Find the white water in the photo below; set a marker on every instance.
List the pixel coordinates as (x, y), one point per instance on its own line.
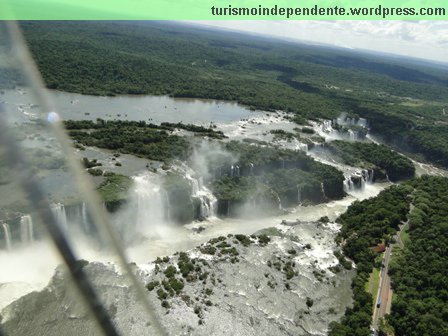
(26, 229)
(7, 235)
(148, 202)
(326, 130)
(208, 201)
(58, 210)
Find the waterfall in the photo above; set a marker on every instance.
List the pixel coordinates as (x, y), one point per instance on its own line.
(251, 168)
(327, 127)
(348, 184)
(58, 210)
(232, 171)
(168, 206)
(299, 195)
(322, 189)
(7, 234)
(84, 219)
(208, 202)
(362, 122)
(237, 171)
(370, 176)
(352, 135)
(26, 229)
(303, 147)
(149, 202)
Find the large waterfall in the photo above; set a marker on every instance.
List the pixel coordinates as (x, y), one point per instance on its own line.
(148, 204)
(208, 202)
(343, 128)
(358, 180)
(26, 229)
(58, 210)
(7, 235)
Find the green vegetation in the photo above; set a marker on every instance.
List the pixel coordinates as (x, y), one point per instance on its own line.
(95, 171)
(380, 158)
(364, 225)
(267, 175)
(109, 58)
(136, 137)
(129, 137)
(418, 272)
(90, 163)
(114, 190)
(373, 283)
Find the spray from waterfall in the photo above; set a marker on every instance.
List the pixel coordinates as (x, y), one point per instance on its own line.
(84, 219)
(7, 235)
(26, 229)
(147, 204)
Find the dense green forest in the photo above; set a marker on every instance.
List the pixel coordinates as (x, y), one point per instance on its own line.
(137, 137)
(403, 99)
(368, 155)
(419, 272)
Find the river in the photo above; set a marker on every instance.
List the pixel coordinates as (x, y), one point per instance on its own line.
(30, 266)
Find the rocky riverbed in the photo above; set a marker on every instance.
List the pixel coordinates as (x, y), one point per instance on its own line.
(279, 281)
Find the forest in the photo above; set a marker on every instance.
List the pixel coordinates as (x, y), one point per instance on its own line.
(369, 155)
(418, 272)
(403, 99)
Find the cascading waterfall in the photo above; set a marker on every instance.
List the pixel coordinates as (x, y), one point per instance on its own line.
(149, 202)
(280, 206)
(208, 201)
(358, 180)
(327, 126)
(363, 183)
(344, 120)
(251, 168)
(370, 176)
(348, 184)
(7, 234)
(351, 128)
(26, 229)
(58, 210)
(303, 147)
